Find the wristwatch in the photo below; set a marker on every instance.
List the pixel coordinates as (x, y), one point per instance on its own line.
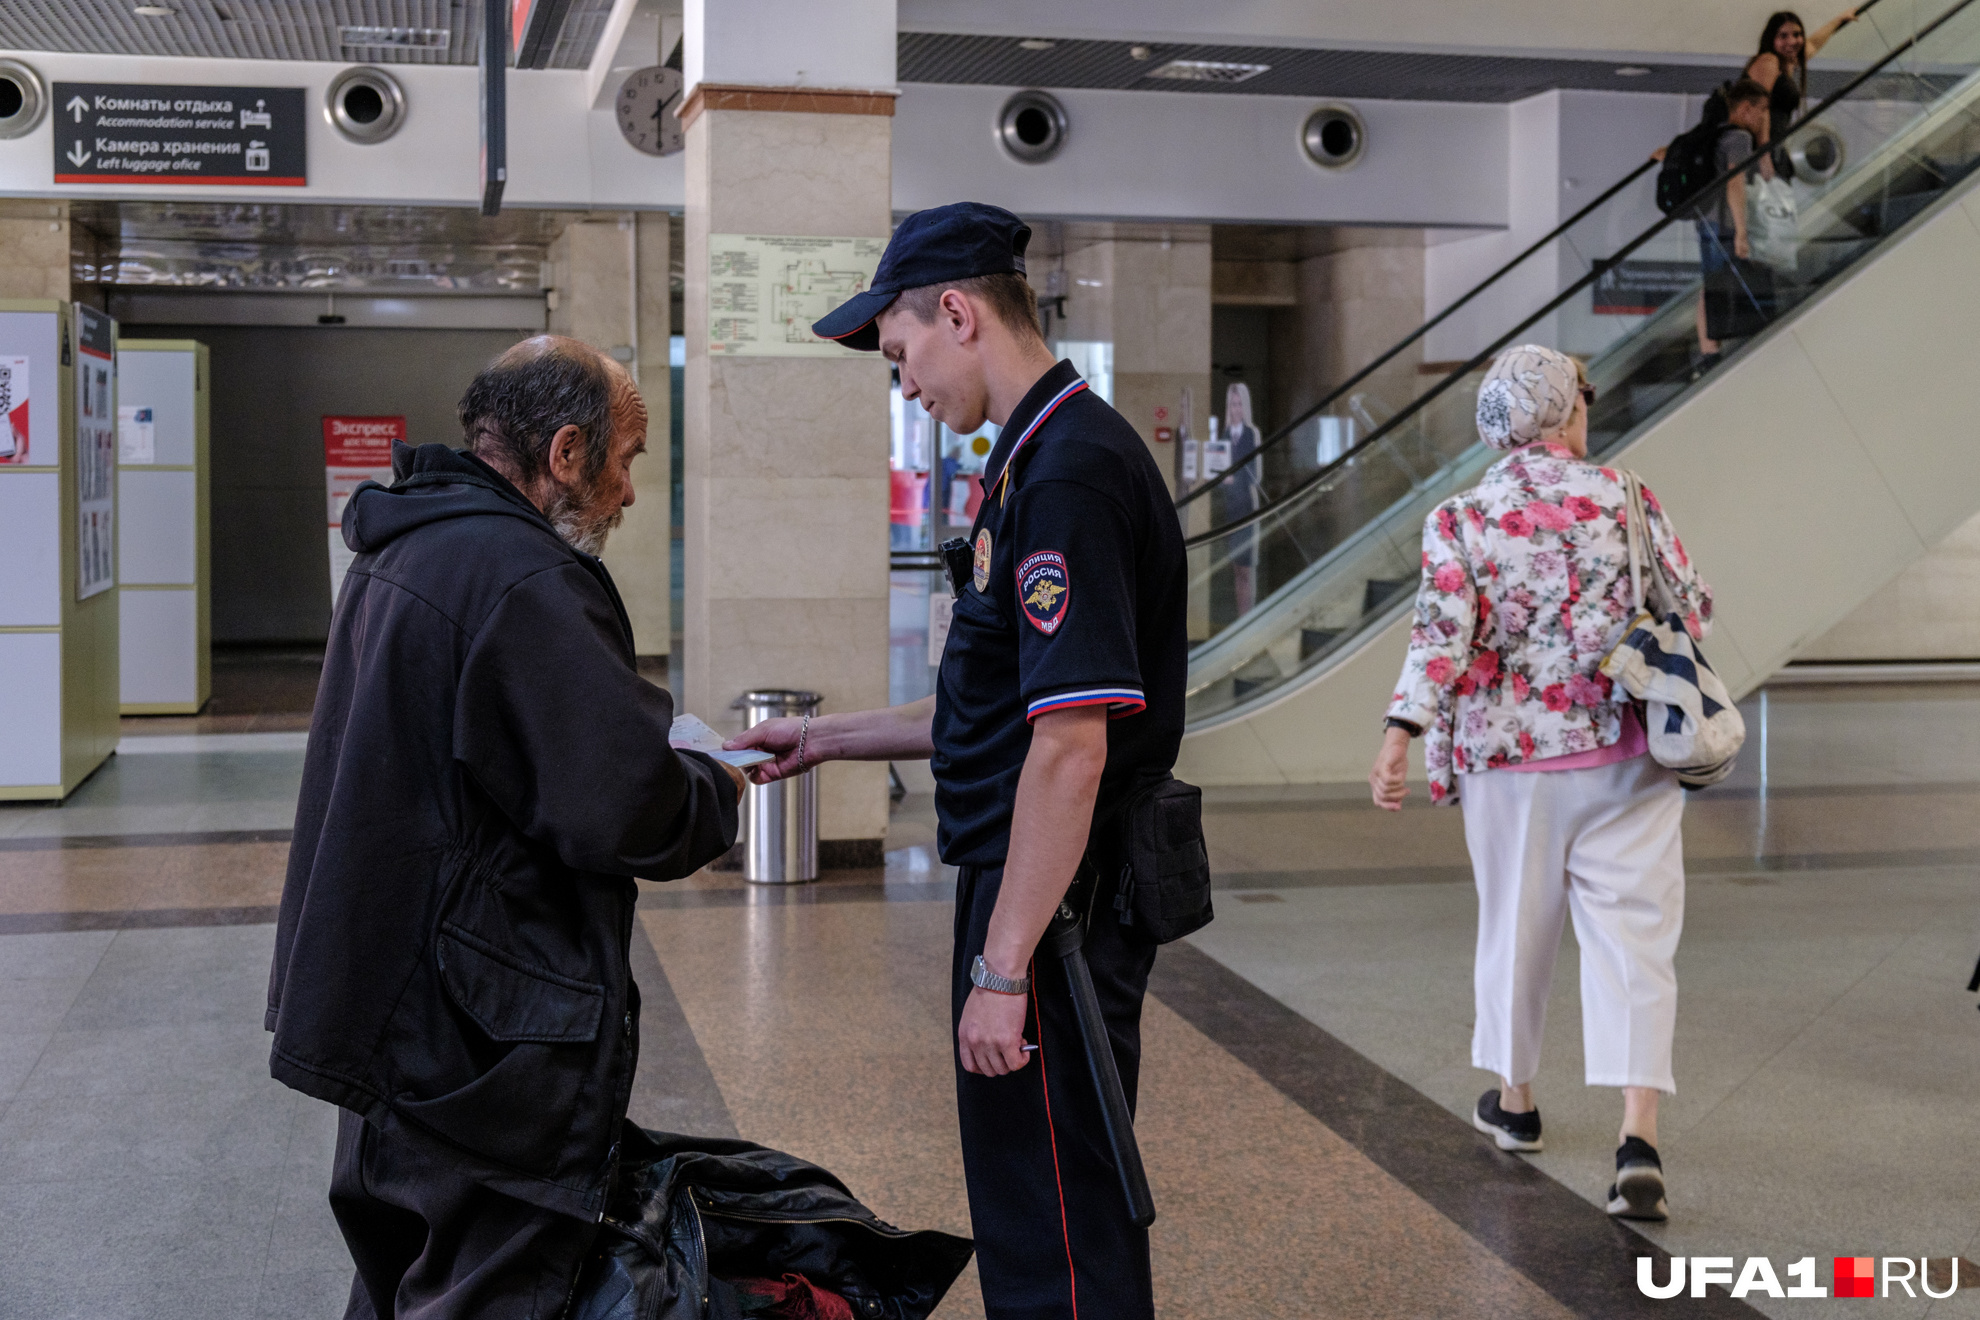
(983, 978)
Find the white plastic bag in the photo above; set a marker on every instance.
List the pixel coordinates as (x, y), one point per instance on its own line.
(1773, 233)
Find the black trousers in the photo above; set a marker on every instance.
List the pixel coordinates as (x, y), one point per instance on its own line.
(430, 1244)
(1052, 1233)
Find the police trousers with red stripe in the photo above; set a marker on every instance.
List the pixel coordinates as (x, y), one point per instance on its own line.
(1053, 1240)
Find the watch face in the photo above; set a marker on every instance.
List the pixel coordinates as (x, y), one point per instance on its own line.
(646, 109)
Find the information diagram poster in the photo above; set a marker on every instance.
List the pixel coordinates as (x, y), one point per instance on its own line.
(14, 378)
(355, 450)
(96, 453)
(765, 292)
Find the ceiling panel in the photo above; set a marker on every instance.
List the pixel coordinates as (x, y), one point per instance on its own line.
(281, 30)
(932, 57)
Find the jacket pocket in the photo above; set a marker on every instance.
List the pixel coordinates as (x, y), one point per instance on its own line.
(511, 1001)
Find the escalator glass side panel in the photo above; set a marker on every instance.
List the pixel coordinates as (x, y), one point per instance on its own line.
(1307, 575)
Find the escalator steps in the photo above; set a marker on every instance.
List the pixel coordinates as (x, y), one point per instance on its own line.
(1378, 590)
(1312, 641)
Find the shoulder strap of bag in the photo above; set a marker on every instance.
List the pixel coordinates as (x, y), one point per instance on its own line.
(1639, 527)
(1632, 529)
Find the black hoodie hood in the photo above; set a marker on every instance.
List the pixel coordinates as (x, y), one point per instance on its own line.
(431, 483)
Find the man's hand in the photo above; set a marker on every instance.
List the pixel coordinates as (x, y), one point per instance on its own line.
(990, 1038)
(1390, 777)
(1741, 248)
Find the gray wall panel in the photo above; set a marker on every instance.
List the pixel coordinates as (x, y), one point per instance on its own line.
(272, 387)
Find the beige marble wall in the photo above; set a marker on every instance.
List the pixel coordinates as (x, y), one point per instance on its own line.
(1145, 290)
(785, 583)
(34, 249)
(1931, 611)
(1354, 304)
(609, 288)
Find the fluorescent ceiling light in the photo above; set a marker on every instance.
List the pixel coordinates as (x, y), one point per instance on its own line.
(1632, 71)
(1217, 71)
(1036, 43)
(154, 11)
(393, 37)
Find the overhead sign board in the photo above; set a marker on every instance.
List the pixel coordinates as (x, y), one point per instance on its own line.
(152, 133)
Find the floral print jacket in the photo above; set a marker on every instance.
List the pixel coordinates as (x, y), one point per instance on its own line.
(1525, 591)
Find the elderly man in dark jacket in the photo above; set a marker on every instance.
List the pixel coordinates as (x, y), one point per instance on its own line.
(486, 774)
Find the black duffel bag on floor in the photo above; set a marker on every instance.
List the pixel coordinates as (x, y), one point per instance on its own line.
(689, 1213)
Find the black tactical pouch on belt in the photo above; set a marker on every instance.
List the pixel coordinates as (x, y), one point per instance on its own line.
(1164, 889)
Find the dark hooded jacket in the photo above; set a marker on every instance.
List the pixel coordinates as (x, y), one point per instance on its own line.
(486, 773)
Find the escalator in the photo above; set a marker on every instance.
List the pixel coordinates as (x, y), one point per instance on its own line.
(1829, 445)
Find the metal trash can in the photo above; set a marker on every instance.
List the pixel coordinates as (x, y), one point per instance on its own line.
(780, 820)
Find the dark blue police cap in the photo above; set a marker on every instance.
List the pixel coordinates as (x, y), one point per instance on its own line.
(945, 243)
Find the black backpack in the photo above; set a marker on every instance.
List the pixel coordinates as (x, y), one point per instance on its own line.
(1691, 161)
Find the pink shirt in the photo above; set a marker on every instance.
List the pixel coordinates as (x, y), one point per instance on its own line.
(1633, 742)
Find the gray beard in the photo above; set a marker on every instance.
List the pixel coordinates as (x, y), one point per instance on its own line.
(581, 528)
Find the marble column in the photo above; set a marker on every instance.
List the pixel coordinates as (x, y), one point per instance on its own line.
(1145, 289)
(788, 118)
(36, 256)
(609, 288)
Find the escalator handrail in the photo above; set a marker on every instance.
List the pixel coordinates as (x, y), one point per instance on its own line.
(1286, 431)
(1423, 400)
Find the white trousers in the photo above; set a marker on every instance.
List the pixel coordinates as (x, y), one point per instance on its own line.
(1606, 845)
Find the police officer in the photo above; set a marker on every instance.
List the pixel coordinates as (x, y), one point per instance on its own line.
(1060, 694)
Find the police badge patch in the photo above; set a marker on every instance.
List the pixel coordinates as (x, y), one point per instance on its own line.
(1044, 590)
(980, 570)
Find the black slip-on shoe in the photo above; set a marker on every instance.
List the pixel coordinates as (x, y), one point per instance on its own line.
(1638, 1192)
(1508, 1131)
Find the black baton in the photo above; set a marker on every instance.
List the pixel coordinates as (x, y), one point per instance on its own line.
(1063, 938)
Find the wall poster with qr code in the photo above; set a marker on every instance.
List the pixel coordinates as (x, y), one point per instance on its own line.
(96, 453)
(14, 376)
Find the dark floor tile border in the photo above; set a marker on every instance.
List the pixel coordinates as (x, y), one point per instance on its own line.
(1333, 877)
(1569, 1248)
(1891, 860)
(1784, 863)
(42, 923)
(674, 1090)
(798, 895)
(61, 842)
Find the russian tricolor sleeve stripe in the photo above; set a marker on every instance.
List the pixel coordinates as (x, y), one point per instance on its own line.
(1119, 701)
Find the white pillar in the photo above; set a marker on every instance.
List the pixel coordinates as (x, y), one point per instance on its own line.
(788, 113)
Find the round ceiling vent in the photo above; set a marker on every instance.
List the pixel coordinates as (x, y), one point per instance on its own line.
(23, 99)
(1032, 126)
(1334, 137)
(365, 104)
(1818, 154)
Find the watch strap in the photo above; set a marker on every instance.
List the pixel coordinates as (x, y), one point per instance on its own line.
(983, 978)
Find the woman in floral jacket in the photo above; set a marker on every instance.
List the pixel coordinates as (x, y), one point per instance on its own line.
(1526, 588)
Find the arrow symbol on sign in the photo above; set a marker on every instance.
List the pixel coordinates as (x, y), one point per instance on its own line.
(77, 104)
(77, 154)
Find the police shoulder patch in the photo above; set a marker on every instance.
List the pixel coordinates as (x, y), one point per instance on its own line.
(1044, 590)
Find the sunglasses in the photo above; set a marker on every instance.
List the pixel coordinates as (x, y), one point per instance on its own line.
(1588, 395)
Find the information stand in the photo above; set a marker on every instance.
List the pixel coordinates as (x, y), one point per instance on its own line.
(164, 573)
(58, 603)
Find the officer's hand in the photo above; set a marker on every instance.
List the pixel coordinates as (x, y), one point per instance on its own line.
(990, 1038)
(1390, 777)
(780, 737)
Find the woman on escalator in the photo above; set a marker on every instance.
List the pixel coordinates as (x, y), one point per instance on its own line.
(1526, 588)
(1782, 68)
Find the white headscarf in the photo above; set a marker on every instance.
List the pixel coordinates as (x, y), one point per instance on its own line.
(1529, 393)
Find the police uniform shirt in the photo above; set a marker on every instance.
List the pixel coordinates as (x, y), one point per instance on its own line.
(1077, 598)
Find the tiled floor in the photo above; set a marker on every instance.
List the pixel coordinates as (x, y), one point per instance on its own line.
(1306, 1056)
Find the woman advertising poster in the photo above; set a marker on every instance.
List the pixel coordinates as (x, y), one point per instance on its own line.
(1240, 494)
